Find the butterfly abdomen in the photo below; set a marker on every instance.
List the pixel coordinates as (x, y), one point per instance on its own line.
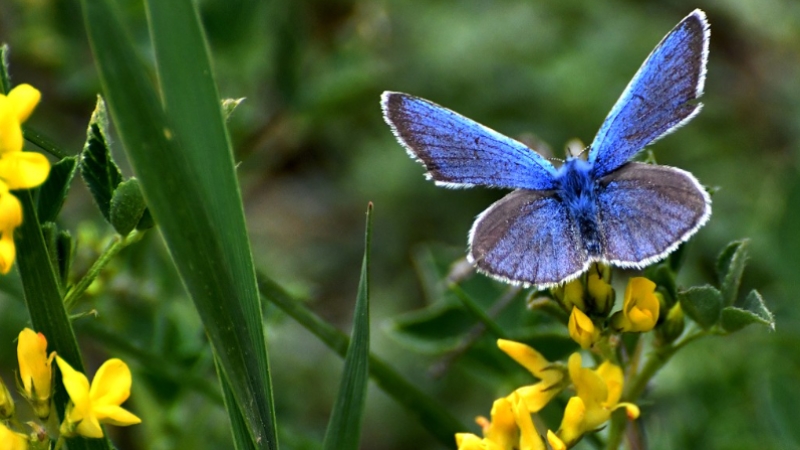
(578, 190)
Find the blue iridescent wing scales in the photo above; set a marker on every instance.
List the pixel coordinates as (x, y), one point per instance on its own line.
(645, 211)
(459, 152)
(660, 98)
(528, 237)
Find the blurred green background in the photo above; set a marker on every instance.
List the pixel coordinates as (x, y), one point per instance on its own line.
(313, 150)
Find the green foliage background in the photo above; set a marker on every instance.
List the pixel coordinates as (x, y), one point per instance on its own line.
(313, 150)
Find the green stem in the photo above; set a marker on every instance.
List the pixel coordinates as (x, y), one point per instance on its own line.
(43, 142)
(80, 287)
(477, 311)
(655, 361)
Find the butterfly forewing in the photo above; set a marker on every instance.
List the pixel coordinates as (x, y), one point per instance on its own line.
(660, 97)
(529, 237)
(459, 152)
(646, 211)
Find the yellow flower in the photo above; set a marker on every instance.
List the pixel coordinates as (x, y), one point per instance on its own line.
(18, 169)
(591, 293)
(10, 440)
(570, 294)
(35, 370)
(511, 428)
(601, 293)
(640, 310)
(598, 393)
(536, 396)
(91, 406)
(582, 329)
(6, 402)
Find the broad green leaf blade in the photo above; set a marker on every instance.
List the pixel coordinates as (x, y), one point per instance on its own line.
(127, 206)
(191, 190)
(703, 304)
(54, 191)
(46, 307)
(730, 267)
(753, 311)
(239, 428)
(344, 427)
(98, 169)
(430, 414)
(190, 98)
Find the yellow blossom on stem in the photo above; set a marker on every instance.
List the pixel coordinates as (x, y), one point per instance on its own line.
(18, 169)
(536, 396)
(99, 403)
(11, 440)
(640, 310)
(598, 393)
(35, 370)
(511, 428)
(582, 329)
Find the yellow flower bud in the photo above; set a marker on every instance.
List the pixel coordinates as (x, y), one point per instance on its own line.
(582, 329)
(570, 295)
(6, 402)
(641, 308)
(35, 370)
(601, 294)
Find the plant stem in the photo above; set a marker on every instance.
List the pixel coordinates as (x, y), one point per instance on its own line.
(80, 287)
(43, 142)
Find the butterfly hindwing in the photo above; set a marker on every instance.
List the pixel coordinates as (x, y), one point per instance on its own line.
(528, 237)
(660, 97)
(459, 152)
(645, 211)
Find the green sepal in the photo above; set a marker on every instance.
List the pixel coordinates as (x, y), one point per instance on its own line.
(730, 267)
(703, 304)
(146, 222)
(54, 190)
(344, 426)
(127, 206)
(98, 169)
(752, 311)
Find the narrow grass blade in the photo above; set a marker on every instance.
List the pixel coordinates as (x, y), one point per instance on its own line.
(344, 427)
(181, 156)
(431, 415)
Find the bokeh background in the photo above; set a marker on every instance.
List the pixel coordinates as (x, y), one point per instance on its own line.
(313, 150)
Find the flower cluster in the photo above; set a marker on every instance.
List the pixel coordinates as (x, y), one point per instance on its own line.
(89, 406)
(18, 169)
(597, 392)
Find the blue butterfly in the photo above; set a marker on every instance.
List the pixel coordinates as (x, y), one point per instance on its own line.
(558, 221)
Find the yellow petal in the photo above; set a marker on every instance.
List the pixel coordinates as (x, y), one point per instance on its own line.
(10, 130)
(77, 386)
(10, 212)
(90, 427)
(10, 440)
(537, 396)
(468, 441)
(582, 329)
(572, 424)
(503, 430)
(8, 251)
(529, 438)
(34, 365)
(527, 357)
(115, 415)
(24, 99)
(614, 378)
(111, 384)
(24, 170)
(555, 442)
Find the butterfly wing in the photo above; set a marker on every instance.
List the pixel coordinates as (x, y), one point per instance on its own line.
(660, 97)
(527, 237)
(646, 211)
(459, 152)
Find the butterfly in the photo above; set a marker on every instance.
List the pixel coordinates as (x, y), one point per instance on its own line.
(558, 221)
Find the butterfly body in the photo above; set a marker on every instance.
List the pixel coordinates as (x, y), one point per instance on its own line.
(558, 221)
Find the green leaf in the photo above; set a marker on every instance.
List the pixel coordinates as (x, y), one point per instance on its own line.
(753, 311)
(98, 169)
(344, 427)
(54, 190)
(430, 414)
(703, 304)
(127, 206)
(46, 307)
(730, 267)
(59, 248)
(182, 158)
(229, 105)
